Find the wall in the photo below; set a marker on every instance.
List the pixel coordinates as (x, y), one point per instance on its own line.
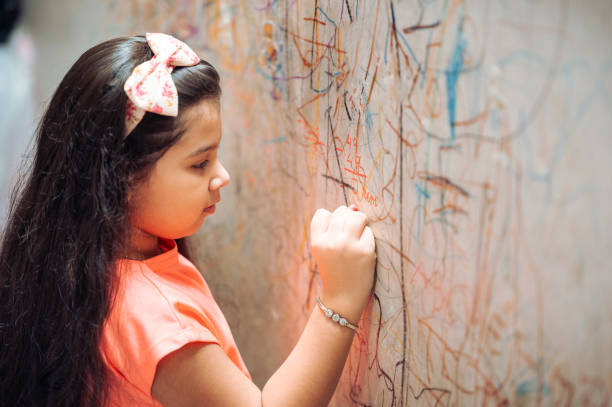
(475, 136)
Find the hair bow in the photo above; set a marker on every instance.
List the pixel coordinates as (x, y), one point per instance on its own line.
(150, 87)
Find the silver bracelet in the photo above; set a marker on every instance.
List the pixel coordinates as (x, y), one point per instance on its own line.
(335, 316)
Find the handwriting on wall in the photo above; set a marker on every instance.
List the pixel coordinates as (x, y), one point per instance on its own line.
(474, 134)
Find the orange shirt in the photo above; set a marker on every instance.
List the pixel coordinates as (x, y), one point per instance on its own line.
(162, 304)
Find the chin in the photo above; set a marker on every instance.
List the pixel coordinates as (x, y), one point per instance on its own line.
(199, 222)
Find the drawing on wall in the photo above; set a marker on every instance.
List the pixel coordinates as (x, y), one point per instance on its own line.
(475, 136)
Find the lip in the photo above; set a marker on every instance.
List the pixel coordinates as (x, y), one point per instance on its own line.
(210, 209)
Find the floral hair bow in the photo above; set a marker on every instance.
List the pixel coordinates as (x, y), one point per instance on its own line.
(150, 87)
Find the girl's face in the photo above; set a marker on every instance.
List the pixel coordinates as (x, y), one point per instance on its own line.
(184, 184)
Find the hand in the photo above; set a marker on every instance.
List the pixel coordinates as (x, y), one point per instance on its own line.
(343, 248)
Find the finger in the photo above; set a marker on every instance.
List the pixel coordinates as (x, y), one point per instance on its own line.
(367, 239)
(355, 222)
(336, 223)
(320, 221)
(340, 208)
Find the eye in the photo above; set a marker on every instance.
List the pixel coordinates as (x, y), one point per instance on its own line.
(201, 165)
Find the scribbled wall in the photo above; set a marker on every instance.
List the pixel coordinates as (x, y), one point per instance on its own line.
(476, 136)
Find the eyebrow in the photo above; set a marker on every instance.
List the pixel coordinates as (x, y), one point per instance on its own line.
(203, 150)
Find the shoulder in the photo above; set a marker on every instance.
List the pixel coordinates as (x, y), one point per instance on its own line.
(171, 297)
(155, 312)
(140, 284)
(138, 289)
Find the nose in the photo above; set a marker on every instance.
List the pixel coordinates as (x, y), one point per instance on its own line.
(221, 179)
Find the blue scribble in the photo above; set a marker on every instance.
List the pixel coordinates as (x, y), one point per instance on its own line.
(530, 386)
(452, 75)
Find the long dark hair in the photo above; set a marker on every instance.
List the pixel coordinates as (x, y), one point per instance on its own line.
(69, 222)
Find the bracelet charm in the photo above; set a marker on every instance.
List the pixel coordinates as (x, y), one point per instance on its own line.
(334, 316)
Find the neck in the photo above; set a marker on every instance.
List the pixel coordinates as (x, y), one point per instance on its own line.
(143, 245)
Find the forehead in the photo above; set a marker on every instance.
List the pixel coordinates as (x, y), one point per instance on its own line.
(201, 124)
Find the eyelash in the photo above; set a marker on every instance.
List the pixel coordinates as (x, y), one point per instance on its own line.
(201, 166)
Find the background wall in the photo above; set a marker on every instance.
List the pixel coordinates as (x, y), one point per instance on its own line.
(475, 136)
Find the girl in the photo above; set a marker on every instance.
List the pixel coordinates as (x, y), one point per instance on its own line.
(99, 302)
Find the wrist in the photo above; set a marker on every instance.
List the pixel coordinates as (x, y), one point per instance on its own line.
(346, 308)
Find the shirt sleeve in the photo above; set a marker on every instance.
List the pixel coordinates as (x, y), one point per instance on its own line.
(147, 322)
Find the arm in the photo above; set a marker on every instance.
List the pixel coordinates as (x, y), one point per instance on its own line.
(309, 375)
(201, 374)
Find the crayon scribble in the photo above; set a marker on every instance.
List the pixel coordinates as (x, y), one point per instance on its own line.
(475, 136)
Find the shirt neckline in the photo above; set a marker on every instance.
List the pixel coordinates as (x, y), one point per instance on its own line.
(169, 256)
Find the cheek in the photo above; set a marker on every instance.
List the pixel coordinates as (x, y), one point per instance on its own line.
(171, 202)
(178, 207)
